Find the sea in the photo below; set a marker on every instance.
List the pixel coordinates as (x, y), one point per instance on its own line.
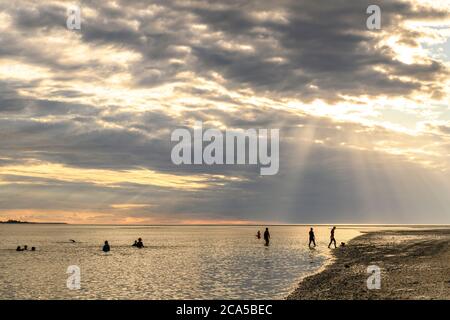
(177, 262)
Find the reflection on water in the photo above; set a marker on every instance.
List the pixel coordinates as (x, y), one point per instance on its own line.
(189, 262)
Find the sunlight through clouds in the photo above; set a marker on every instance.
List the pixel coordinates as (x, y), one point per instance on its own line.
(363, 114)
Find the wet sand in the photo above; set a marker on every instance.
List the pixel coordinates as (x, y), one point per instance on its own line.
(415, 264)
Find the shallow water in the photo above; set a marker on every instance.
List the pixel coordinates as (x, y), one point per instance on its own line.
(178, 262)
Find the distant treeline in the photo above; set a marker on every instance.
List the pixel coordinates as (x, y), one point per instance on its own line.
(26, 222)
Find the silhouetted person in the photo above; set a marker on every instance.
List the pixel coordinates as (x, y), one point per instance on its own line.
(140, 244)
(267, 236)
(33, 249)
(19, 248)
(258, 234)
(25, 248)
(135, 243)
(312, 238)
(106, 247)
(332, 240)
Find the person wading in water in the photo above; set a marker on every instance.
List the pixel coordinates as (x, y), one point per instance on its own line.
(312, 238)
(332, 239)
(267, 237)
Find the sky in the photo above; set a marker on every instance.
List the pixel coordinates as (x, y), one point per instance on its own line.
(86, 115)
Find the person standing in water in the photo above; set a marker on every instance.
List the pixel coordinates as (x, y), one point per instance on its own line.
(106, 247)
(267, 237)
(312, 238)
(332, 239)
(258, 234)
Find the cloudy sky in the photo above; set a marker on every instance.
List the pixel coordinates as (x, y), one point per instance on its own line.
(86, 115)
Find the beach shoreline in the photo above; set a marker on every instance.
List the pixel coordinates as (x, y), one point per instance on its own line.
(414, 264)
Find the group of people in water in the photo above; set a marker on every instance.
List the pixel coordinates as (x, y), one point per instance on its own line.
(25, 248)
(137, 243)
(266, 236)
(312, 240)
(312, 237)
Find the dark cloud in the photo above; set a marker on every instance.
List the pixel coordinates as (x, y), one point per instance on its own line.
(322, 43)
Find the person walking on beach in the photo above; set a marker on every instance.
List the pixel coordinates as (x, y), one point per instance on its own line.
(312, 238)
(332, 239)
(258, 235)
(106, 247)
(267, 237)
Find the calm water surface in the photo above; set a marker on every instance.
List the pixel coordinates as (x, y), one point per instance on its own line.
(178, 262)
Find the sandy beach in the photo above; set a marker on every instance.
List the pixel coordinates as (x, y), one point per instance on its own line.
(415, 264)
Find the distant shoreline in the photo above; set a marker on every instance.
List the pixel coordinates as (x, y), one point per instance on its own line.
(414, 265)
(27, 222)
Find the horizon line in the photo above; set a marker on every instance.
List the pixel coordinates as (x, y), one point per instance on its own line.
(235, 225)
